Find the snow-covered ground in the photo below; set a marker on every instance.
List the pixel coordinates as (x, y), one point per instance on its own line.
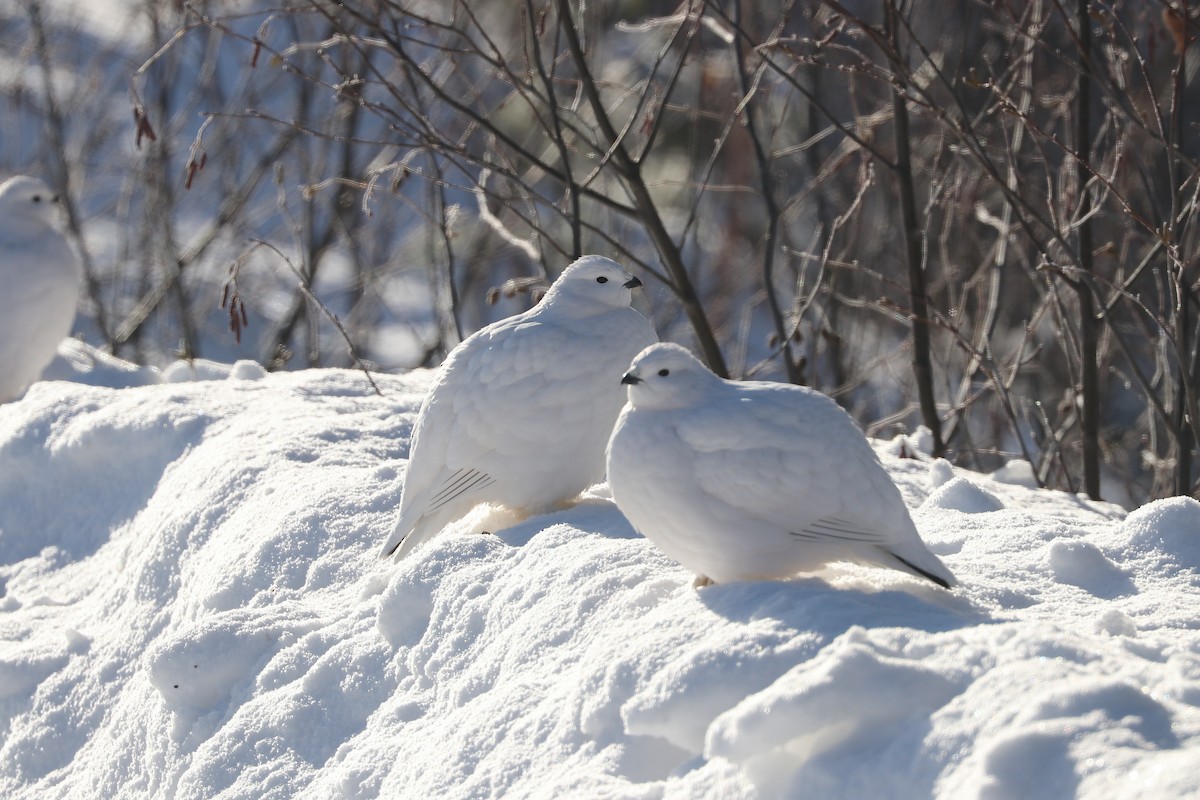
(191, 606)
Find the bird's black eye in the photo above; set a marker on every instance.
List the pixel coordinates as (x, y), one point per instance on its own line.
(602, 279)
(37, 198)
(664, 372)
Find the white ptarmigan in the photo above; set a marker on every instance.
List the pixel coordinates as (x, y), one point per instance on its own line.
(523, 408)
(40, 278)
(752, 480)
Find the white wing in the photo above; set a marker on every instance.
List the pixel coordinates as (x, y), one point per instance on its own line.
(792, 458)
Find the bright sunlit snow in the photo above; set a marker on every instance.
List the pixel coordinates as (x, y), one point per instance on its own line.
(191, 606)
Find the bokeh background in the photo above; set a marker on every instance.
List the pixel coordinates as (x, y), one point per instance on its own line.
(977, 216)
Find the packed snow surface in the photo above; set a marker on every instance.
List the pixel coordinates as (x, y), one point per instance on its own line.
(191, 606)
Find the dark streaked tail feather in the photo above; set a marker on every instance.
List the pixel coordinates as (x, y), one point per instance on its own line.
(921, 572)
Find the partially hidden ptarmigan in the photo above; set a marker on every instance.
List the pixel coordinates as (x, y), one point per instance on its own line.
(40, 278)
(523, 408)
(751, 480)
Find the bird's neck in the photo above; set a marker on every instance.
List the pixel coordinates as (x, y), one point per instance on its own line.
(570, 308)
(25, 229)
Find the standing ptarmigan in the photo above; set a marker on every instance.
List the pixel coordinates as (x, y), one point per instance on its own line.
(751, 480)
(523, 408)
(40, 278)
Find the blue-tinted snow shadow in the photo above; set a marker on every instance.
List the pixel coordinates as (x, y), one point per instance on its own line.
(73, 495)
(813, 604)
(802, 601)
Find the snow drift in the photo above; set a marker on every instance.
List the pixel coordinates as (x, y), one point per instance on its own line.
(191, 606)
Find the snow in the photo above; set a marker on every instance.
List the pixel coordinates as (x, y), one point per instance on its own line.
(1017, 472)
(80, 362)
(191, 607)
(960, 494)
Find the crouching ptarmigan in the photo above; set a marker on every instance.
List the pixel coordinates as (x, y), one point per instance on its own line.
(40, 277)
(751, 480)
(523, 408)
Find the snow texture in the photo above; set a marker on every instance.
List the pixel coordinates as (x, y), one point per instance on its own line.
(191, 606)
(960, 494)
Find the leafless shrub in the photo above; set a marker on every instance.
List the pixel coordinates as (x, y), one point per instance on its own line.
(980, 216)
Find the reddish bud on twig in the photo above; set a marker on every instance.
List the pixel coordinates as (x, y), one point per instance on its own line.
(143, 126)
(232, 302)
(235, 323)
(237, 318)
(194, 165)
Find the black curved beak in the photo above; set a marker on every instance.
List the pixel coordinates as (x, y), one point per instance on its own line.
(632, 283)
(629, 377)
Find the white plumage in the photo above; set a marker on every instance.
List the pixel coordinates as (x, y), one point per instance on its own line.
(40, 278)
(522, 410)
(752, 480)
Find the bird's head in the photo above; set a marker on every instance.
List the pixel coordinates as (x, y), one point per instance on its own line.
(29, 200)
(666, 375)
(594, 281)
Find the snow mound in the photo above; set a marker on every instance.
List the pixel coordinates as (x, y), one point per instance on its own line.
(1017, 472)
(206, 617)
(1169, 529)
(79, 362)
(855, 697)
(202, 369)
(912, 445)
(959, 494)
(199, 667)
(1082, 564)
(941, 472)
